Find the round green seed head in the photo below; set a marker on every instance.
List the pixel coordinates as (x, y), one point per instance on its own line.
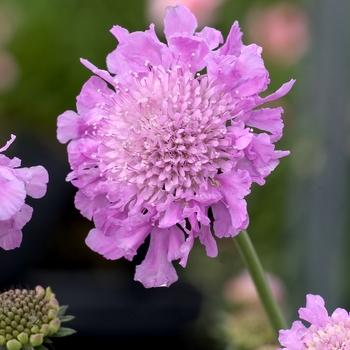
(25, 316)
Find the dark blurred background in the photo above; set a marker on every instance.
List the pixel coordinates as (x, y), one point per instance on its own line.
(298, 219)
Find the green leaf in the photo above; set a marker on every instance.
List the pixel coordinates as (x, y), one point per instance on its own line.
(62, 310)
(27, 347)
(63, 332)
(41, 347)
(47, 340)
(66, 318)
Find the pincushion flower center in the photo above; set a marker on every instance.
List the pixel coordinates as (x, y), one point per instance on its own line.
(331, 337)
(170, 130)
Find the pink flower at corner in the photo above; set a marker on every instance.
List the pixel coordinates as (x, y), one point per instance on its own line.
(168, 141)
(15, 184)
(325, 332)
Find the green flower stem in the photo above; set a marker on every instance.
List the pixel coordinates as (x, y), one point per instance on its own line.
(257, 274)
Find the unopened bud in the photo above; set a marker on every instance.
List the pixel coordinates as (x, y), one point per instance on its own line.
(13, 344)
(23, 338)
(36, 339)
(40, 290)
(49, 293)
(54, 325)
(54, 304)
(45, 329)
(52, 314)
(35, 329)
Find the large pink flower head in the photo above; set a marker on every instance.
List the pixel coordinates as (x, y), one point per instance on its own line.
(324, 333)
(167, 144)
(15, 184)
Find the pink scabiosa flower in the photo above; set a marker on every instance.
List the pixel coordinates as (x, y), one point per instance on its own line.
(168, 141)
(15, 184)
(325, 332)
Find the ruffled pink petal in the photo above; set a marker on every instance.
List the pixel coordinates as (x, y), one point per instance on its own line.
(207, 239)
(176, 240)
(241, 136)
(156, 270)
(22, 217)
(233, 44)
(315, 311)
(8, 143)
(213, 37)
(283, 90)
(120, 33)
(80, 152)
(35, 179)
(139, 50)
(172, 215)
(340, 315)
(179, 20)
(87, 205)
(268, 119)
(234, 187)
(9, 238)
(198, 210)
(67, 126)
(251, 68)
(12, 194)
(99, 72)
(186, 248)
(93, 93)
(10, 230)
(190, 50)
(130, 240)
(292, 338)
(222, 221)
(104, 245)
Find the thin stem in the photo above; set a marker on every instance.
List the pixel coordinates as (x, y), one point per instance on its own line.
(257, 274)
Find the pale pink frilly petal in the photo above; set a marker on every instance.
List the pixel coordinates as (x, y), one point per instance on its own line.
(179, 20)
(315, 311)
(292, 338)
(12, 194)
(156, 270)
(11, 229)
(35, 180)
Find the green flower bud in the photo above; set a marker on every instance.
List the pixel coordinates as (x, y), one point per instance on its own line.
(13, 344)
(36, 339)
(54, 325)
(40, 290)
(23, 338)
(45, 329)
(49, 293)
(2, 340)
(35, 329)
(52, 314)
(54, 304)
